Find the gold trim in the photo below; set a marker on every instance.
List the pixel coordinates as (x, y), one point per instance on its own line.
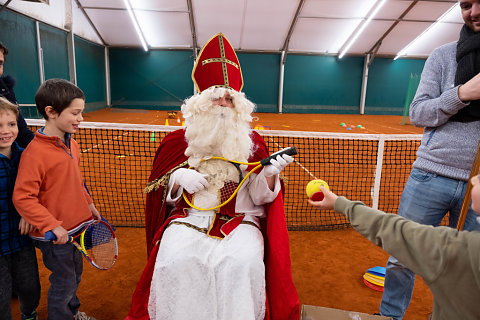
(222, 55)
(163, 180)
(205, 230)
(222, 60)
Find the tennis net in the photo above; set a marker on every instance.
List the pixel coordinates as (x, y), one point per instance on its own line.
(372, 168)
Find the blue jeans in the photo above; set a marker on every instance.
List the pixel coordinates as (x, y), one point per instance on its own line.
(426, 199)
(66, 266)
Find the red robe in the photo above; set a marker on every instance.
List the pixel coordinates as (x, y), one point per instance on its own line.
(282, 299)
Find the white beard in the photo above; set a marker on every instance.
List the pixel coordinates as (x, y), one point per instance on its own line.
(216, 132)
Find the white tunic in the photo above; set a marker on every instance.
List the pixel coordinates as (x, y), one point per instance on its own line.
(199, 277)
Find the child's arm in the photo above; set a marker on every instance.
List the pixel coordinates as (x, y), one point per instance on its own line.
(95, 214)
(423, 249)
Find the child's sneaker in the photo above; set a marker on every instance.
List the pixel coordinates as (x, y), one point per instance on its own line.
(83, 316)
(32, 316)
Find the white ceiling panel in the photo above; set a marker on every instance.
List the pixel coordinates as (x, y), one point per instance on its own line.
(336, 8)
(117, 30)
(260, 31)
(159, 5)
(320, 35)
(214, 16)
(444, 33)
(428, 11)
(393, 9)
(165, 29)
(103, 3)
(402, 35)
(369, 37)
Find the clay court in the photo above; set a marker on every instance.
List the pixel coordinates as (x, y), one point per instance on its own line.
(327, 266)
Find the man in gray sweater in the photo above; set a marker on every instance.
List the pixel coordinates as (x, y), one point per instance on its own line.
(448, 260)
(447, 105)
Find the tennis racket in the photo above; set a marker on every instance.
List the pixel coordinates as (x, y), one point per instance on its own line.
(97, 243)
(228, 192)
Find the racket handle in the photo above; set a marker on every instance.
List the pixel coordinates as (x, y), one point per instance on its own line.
(49, 235)
(290, 151)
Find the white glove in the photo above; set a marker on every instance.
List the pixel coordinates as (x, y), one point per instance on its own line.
(190, 180)
(277, 165)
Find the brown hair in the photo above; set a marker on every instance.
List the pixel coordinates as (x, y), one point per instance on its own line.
(6, 105)
(57, 93)
(3, 49)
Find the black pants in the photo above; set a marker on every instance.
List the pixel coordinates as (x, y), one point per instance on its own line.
(19, 274)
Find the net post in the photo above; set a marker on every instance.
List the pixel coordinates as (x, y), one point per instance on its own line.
(378, 172)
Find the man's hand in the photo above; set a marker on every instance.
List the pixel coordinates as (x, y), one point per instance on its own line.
(328, 201)
(470, 90)
(277, 165)
(190, 180)
(25, 227)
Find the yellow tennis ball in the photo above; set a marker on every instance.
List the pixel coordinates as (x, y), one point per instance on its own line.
(313, 191)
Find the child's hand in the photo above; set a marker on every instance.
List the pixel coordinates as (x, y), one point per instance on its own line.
(328, 201)
(95, 214)
(61, 234)
(25, 227)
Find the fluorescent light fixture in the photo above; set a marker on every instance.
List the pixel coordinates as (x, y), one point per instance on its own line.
(364, 25)
(404, 51)
(135, 24)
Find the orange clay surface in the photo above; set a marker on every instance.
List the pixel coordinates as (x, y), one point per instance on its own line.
(327, 266)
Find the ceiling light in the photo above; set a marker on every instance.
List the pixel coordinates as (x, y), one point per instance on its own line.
(364, 25)
(403, 52)
(135, 24)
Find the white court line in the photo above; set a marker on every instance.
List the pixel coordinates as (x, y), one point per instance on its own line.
(104, 142)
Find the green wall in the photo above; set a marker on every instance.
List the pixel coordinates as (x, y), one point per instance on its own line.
(22, 60)
(260, 76)
(388, 84)
(55, 53)
(90, 66)
(322, 84)
(150, 80)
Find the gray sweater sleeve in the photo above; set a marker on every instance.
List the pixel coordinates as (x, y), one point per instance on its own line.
(436, 99)
(423, 249)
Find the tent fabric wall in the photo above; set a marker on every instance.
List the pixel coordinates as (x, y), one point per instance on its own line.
(388, 84)
(55, 53)
(322, 84)
(150, 80)
(90, 67)
(18, 35)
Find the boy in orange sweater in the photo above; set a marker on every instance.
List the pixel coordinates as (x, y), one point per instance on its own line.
(50, 193)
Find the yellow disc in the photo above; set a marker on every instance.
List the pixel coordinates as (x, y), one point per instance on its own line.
(313, 185)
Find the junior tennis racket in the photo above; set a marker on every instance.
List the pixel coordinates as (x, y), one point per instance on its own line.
(97, 243)
(229, 191)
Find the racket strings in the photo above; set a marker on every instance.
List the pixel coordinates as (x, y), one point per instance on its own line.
(101, 245)
(227, 190)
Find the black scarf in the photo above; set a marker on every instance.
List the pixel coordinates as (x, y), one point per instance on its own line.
(468, 66)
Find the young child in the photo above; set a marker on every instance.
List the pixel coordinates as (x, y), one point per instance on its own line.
(448, 260)
(18, 261)
(50, 193)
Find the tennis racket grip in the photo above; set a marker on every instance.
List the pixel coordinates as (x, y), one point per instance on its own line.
(49, 235)
(290, 151)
